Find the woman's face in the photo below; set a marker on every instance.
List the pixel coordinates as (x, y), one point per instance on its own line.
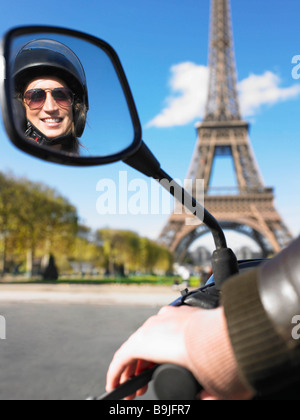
(51, 119)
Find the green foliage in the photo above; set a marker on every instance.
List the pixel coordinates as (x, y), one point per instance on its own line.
(129, 252)
(36, 221)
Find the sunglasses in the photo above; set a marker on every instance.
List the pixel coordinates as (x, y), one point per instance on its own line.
(36, 98)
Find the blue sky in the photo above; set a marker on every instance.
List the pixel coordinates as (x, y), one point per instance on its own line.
(163, 46)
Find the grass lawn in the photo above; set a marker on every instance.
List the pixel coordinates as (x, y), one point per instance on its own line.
(134, 280)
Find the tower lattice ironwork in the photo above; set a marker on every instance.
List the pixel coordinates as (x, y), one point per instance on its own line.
(248, 208)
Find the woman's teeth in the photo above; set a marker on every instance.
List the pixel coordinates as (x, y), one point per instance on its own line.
(52, 120)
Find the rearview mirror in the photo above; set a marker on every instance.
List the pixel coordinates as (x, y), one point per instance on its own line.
(65, 97)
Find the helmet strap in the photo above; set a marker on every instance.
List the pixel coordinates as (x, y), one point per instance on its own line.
(36, 135)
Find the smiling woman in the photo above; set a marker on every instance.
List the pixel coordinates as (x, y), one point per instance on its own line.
(51, 85)
(48, 104)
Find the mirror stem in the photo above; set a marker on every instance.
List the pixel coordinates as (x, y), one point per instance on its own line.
(188, 201)
(144, 161)
(224, 261)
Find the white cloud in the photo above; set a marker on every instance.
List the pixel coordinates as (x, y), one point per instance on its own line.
(259, 90)
(189, 85)
(189, 88)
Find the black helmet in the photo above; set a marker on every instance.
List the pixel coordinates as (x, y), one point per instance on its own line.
(48, 57)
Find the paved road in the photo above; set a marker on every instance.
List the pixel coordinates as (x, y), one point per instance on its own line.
(61, 351)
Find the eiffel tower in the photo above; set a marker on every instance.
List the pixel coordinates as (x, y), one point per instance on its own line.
(249, 208)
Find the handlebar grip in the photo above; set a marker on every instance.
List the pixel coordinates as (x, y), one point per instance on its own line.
(172, 382)
(129, 387)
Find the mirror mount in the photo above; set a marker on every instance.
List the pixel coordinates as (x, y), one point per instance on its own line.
(224, 261)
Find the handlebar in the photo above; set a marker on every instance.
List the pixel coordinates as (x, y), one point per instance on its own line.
(171, 382)
(129, 387)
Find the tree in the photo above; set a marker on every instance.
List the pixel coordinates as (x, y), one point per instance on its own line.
(128, 249)
(7, 214)
(34, 217)
(87, 249)
(36, 221)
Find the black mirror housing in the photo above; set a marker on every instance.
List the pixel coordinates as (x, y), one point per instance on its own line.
(10, 110)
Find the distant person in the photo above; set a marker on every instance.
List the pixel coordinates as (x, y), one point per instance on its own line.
(51, 271)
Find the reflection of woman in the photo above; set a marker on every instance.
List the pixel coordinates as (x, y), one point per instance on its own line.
(51, 84)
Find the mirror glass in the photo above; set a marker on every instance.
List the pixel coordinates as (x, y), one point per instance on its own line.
(67, 96)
